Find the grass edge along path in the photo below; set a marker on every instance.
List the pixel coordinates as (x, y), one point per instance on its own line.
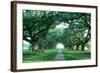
(76, 55)
(47, 55)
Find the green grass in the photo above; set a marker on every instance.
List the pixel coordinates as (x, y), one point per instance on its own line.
(70, 54)
(48, 55)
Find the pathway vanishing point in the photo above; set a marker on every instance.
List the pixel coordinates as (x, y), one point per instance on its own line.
(60, 56)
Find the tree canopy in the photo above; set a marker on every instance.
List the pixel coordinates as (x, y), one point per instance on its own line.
(47, 28)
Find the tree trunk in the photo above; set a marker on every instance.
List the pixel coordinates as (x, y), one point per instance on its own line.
(33, 46)
(83, 45)
(77, 46)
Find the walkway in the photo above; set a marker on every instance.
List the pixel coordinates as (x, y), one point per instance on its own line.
(60, 56)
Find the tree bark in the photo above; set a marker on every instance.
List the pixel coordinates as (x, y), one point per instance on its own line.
(77, 46)
(83, 45)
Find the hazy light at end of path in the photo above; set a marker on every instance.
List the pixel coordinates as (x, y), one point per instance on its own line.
(60, 46)
(62, 25)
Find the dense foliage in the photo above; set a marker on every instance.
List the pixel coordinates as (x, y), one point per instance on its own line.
(40, 29)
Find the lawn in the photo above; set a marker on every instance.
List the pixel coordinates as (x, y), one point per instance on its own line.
(50, 55)
(47, 55)
(70, 54)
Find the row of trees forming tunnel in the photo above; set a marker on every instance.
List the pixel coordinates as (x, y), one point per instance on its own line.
(39, 29)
